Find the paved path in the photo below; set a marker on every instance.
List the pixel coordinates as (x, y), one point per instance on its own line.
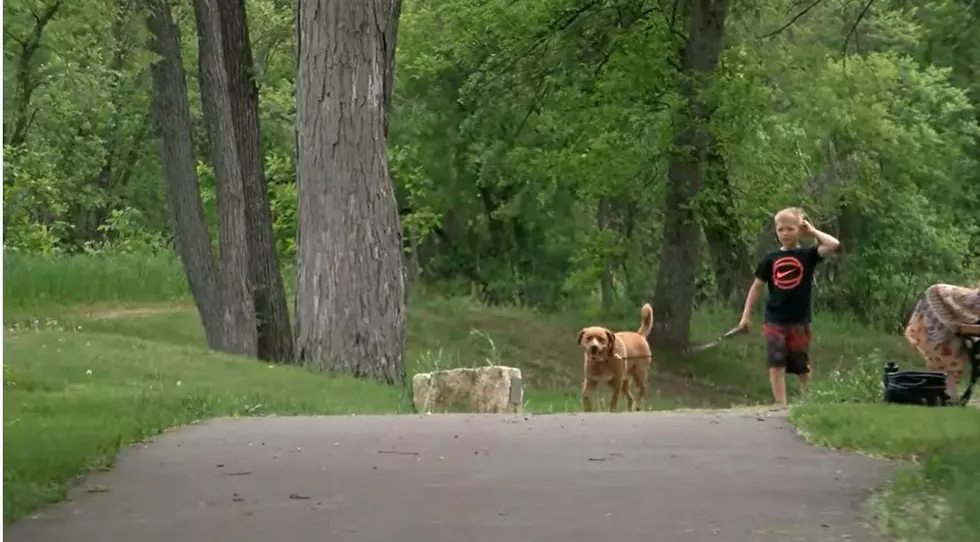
(686, 477)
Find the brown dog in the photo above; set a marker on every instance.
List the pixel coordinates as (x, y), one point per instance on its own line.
(614, 358)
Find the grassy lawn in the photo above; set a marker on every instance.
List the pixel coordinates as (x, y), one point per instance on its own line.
(935, 496)
(128, 320)
(72, 399)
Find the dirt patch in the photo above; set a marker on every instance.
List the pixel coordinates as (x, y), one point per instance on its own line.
(135, 312)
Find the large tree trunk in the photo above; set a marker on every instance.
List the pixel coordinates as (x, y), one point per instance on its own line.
(275, 340)
(350, 297)
(680, 248)
(172, 119)
(239, 317)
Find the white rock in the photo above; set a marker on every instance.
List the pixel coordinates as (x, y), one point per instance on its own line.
(492, 389)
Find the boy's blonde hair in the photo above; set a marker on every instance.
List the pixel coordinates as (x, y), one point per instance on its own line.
(793, 215)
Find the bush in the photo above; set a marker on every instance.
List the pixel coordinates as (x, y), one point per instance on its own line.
(860, 383)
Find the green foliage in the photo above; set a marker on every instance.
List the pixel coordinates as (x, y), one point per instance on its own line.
(124, 231)
(80, 95)
(512, 123)
(34, 203)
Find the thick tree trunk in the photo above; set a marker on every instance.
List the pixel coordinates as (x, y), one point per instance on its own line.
(275, 340)
(680, 247)
(239, 317)
(350, 298)
(172, 119)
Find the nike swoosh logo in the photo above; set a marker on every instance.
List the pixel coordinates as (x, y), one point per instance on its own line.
(783, 274)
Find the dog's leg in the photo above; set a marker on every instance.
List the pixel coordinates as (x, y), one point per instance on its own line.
(616, 384)
(629, 396)
(640, 378)
(588, 388)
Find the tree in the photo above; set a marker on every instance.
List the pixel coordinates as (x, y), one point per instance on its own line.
(350, 297)
(233, 276)
(529, 145)
(275, 341)
(172, 116)
(22, 116)
(241, 301)
(681, 242)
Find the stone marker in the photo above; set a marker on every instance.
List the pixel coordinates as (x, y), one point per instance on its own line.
(492, 389)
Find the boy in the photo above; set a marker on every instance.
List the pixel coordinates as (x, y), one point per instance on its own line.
(788, 272)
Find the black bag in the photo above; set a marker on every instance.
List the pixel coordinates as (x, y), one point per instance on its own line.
(929, 387)
(915, 387)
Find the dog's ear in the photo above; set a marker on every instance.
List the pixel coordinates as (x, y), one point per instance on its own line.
(612, 341)
(580, 334)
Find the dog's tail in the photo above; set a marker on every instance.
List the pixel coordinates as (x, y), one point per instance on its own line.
(646, 319)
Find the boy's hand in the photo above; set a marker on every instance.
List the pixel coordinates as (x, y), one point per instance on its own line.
(806, 228)
(744, 323)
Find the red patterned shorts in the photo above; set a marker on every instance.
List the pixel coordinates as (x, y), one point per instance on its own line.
(787, 345)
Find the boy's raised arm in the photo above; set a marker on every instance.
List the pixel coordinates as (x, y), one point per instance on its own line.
(827, 244)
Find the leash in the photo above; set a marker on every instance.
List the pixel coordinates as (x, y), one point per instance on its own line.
(627, 358)
(617, 356)
(737, 330)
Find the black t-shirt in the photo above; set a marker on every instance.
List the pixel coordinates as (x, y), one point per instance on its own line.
(789, 276)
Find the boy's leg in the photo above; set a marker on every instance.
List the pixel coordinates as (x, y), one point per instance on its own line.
(776, 355)
(798, 352)
(777, 381)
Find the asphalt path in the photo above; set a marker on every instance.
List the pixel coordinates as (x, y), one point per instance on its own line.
(689, 477)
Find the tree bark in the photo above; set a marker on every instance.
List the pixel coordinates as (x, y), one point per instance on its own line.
(275, 340)
(680, 246)
(172, 119)
(239, 316)
(350, 294)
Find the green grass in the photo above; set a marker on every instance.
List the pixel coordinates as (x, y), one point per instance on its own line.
(441, 331)
(36, 284)
(71, 399)
(934, 498)
(128, 320)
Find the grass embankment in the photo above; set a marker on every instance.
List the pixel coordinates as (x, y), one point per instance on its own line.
(127, 319)
(935, 496)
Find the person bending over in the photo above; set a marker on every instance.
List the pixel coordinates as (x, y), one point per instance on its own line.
(933, 328)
